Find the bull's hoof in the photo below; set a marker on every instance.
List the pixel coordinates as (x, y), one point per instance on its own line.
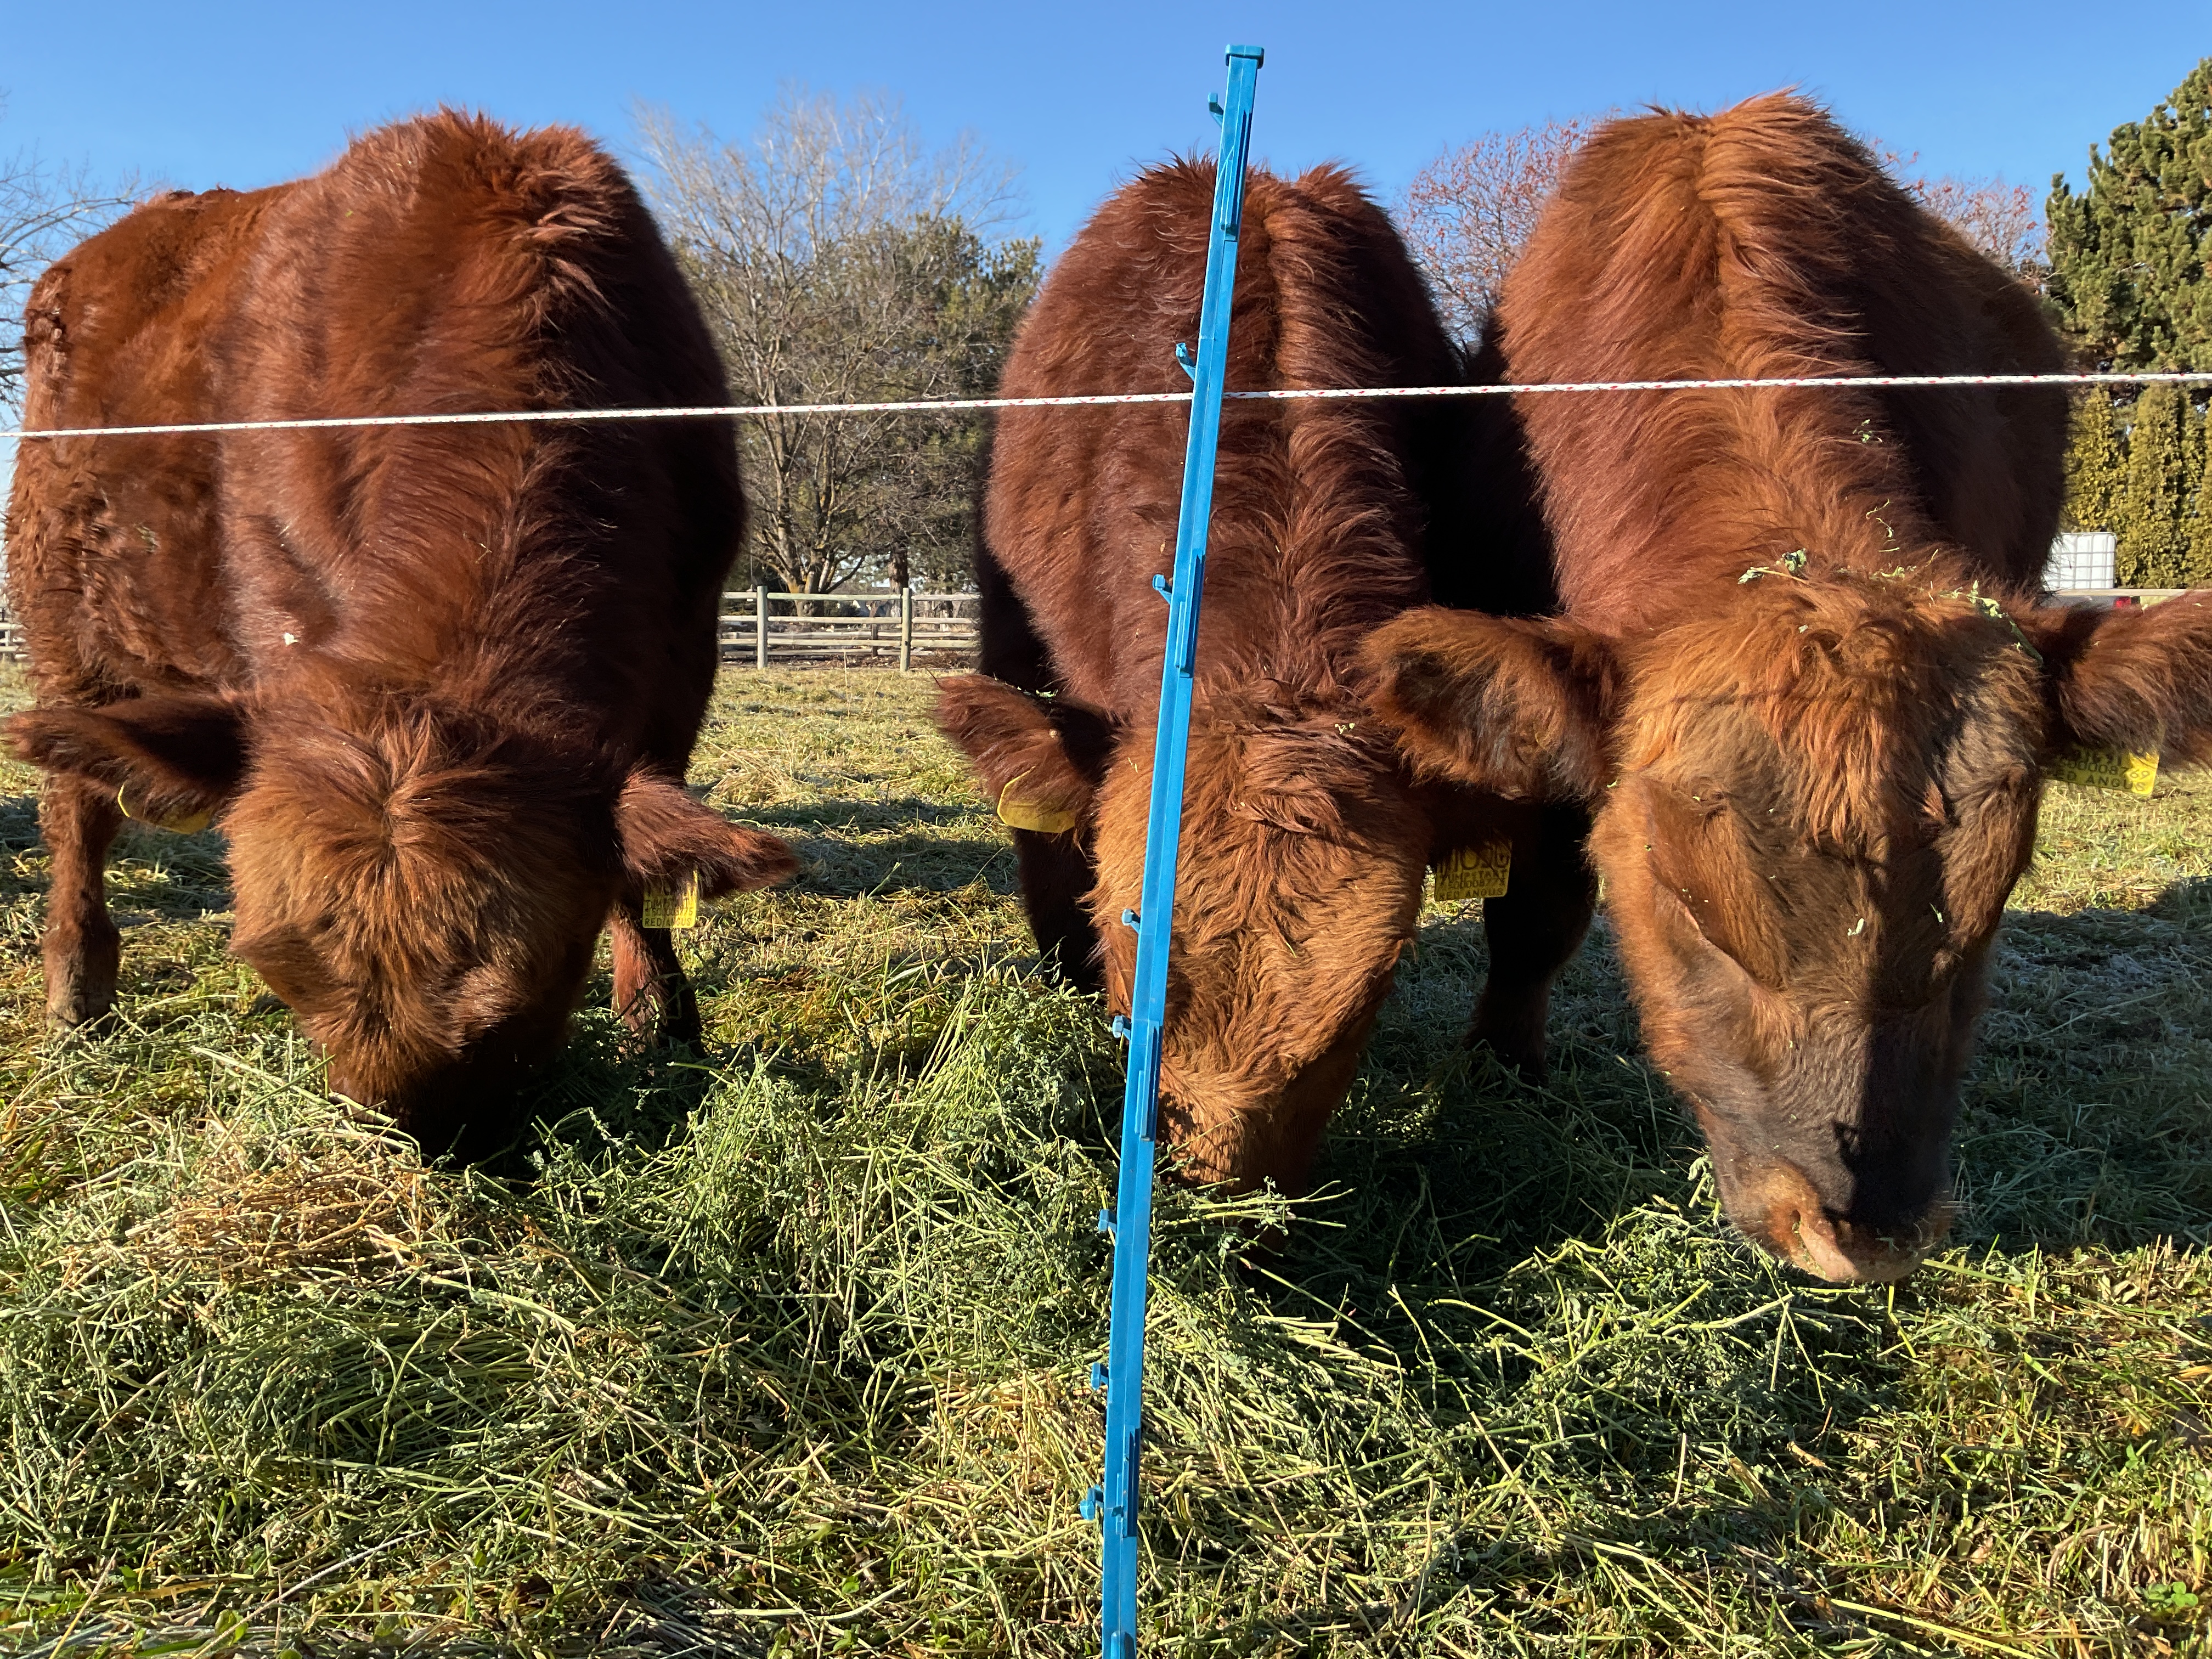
(1512, 1048)
(79, 978)
(84, 1014)
(660, 1015)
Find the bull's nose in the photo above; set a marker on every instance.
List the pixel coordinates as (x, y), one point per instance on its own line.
(1796, 1226)
(357, 1086)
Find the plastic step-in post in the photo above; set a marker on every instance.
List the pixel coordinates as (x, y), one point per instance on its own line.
(1115, 1498)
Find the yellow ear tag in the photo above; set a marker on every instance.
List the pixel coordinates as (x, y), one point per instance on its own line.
(1028, 812)
(190, 824)
(1474, 872)
(673, 906)
(2107, 769)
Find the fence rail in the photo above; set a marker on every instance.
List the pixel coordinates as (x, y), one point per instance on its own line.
(759, 626)
(2110, 597)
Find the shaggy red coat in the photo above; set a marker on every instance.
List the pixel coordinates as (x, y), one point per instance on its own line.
(1304, 840)
(438, 685)
(1802, 678)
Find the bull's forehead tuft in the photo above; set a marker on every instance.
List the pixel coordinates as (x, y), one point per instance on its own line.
(1853, 708)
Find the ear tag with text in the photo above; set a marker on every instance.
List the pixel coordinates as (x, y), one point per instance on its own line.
(1025, 812)
(1473, 872)
(189, 824)
(674, 904)
(2107, 768)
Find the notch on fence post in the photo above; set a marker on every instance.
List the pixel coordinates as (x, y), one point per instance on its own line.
(906, 629)
(1114, 1500)
(760, 626)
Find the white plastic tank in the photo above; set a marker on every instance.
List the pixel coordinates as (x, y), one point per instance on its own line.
(2082, 559)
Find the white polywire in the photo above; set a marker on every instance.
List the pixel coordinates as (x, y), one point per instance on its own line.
(959, 405)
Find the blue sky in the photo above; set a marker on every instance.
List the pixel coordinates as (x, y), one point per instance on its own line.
(248, 94)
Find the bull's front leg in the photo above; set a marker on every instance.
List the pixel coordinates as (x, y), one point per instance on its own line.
(81, 948)
(651, 992)
(1056, 876)
(1535, 930)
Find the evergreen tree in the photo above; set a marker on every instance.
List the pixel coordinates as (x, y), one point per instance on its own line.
(2200, 508)
(2128, 281)
(2127, 266)
(2154, 528)
(2096, 465)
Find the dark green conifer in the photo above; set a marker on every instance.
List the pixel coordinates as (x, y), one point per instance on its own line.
(2127, 267)
(2154, 527)
(2096, 465)
(2200, 506)
(2128, 281)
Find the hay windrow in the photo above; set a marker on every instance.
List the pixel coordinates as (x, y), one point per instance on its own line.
(783, 1350)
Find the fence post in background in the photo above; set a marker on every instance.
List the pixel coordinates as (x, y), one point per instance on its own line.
(1114, 1501)
(760, 626)
(906, 629)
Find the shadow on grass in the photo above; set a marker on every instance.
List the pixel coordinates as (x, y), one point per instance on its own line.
(603, 1098)
(867, 816)
(2087, 1117)
(837, 868)
(19, 822)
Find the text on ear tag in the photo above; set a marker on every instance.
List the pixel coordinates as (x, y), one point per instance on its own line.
(2107, 768)
(672, 904)
(1025, 812)
(1473, 872)
(188, 824)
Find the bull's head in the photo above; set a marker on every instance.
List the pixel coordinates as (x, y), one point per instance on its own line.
(1809, 809)
(1302, 858)
(423, 887)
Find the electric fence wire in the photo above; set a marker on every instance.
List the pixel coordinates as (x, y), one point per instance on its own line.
(966, 405)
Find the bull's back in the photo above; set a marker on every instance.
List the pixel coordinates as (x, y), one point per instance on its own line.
(451, 266)
(442, 265)
(1318, 515)
(114, 557)
(1765, 242)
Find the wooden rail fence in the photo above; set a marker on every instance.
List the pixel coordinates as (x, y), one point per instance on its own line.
(759, 626)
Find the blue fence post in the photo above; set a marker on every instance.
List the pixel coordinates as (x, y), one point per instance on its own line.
(1115, 1501)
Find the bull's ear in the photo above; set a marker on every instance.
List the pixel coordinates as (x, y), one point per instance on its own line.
(667, 836)
(1039, 759)
(1515, 705)
(2138, 679)
(172, 759)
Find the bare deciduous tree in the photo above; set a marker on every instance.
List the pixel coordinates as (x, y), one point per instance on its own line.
(841, 260)
(43, 209)
(1998, 218)
(1467, 212)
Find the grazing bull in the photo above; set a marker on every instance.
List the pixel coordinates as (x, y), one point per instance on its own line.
(1305, 842)
(1802, 678)
(438, 685)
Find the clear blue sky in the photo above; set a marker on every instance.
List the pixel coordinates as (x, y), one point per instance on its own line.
(214, 92)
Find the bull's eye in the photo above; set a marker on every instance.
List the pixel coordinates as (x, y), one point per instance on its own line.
(1702, 870)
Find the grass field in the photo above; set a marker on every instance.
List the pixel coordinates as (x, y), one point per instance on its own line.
(782, 1351)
